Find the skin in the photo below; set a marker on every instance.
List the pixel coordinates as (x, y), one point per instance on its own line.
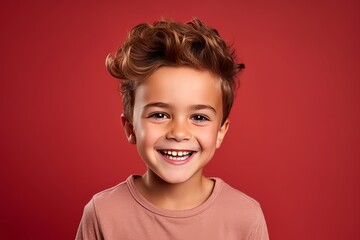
(176, 128)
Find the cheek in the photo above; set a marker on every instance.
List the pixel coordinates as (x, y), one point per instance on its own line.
(145, 139)
(146, 133)
(208, 138)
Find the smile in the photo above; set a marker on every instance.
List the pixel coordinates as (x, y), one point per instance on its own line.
(176, 155)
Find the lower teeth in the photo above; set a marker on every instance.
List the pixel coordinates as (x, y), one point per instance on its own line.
(178, 158)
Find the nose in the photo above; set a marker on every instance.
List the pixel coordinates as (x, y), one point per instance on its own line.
(178, 131)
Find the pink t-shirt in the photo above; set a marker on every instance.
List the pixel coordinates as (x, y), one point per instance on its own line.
(122, 213)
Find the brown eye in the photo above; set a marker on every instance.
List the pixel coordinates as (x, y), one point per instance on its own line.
(159, 116)
(200, 118)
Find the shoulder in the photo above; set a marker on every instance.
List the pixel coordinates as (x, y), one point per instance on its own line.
(111, 194)
(99, 210)
(116, 198)
(231, 195)
(110, 204)
(236, 205)
(243, 211)
(104, 202)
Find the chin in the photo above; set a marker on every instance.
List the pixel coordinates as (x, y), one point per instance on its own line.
(175, 178)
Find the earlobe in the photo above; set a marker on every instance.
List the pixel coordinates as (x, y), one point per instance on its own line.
(132, 139)
(129, 129)
(222, 132)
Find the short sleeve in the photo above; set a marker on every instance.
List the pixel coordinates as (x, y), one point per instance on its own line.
(260, 231)
(89, 228)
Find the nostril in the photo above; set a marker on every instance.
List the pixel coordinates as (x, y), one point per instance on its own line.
(177, 136)
(178, 132)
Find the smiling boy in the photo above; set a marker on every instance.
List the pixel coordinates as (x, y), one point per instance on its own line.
(178, 83)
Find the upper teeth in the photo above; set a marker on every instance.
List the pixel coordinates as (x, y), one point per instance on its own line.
(177, 154)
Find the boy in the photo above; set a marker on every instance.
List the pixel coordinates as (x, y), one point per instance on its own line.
(177, 83)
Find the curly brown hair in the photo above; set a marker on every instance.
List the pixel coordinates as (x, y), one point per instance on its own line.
(168, 43)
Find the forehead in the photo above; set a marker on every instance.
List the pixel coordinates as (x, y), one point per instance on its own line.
(180, 85)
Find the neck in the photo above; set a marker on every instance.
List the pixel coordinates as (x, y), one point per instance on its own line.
(179, 196)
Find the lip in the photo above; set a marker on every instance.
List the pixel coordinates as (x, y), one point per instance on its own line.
(177, 162)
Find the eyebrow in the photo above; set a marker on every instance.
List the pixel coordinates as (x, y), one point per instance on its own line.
(157, 104)
(202, 106)
(193, 107)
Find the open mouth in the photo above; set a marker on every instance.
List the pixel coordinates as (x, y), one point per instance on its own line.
(176, 155)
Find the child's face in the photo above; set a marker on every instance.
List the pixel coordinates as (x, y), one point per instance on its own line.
(177, 122)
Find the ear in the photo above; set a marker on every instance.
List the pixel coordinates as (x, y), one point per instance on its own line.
(129, 129)
(221, 133)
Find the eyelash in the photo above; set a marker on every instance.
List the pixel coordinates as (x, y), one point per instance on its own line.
(200, 118)
(196, 118)
(159, 116)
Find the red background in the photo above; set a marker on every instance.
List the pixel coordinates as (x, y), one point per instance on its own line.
(294, 138)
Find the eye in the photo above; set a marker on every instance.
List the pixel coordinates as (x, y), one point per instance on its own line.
(159, 115)
(200, 118)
